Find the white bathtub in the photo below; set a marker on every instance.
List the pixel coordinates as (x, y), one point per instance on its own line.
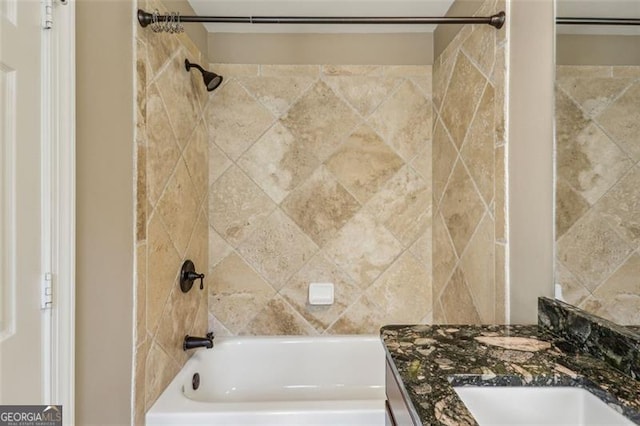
(279, 381)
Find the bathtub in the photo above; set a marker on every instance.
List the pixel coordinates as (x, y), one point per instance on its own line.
(278, 381)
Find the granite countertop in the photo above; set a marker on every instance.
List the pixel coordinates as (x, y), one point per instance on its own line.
(430, 359)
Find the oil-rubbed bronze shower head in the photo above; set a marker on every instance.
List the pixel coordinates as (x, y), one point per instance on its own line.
(211, 79)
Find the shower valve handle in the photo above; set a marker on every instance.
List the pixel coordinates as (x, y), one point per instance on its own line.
(188, 275)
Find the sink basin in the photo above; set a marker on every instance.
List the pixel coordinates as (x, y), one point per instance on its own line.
(509, 405)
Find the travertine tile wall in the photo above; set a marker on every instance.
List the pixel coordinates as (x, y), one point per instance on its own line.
(597, 189)
(319, 174)
(469, 180)
(171, 211)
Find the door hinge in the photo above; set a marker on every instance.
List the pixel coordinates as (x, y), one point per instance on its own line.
(46, 293)
(47, 14)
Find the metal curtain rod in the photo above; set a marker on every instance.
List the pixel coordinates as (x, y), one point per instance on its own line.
(598, 21)
(145, 18)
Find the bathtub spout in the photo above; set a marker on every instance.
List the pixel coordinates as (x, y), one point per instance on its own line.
(191, 342)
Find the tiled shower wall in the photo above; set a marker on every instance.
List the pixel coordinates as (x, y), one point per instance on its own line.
(171, 210)
(469, 181)
(597, 189)
(319, 174)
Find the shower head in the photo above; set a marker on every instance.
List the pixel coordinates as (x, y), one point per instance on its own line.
(211, 79)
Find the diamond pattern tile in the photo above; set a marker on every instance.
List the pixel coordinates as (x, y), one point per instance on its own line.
(320, 121)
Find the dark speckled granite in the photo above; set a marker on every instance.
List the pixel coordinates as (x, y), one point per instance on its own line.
(431, 359)
(617, 345)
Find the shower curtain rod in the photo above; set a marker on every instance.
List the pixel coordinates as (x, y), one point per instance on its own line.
(146, 18)
(598, 21)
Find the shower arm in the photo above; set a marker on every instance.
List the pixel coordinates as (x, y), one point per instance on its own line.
(146, 18)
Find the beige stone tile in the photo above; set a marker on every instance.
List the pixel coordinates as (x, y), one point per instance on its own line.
(591, 250)
(363, 317)
(591, 163)
(457, 301)
(498, 79)
(228, 71)
(422, 163)
(363, 93)
(445, 156)
(320, 121)
(278, 318)
(478, 149)
(218, 248)
(480, 47)
(404, 290)
(478, 266)
(594, 95)
(453, 48)
(404, 120)
(364, 163)
(350, 70)
(586, 158)
(320, 206)
(626, 71)
(179, 91)
(200, 326)
(622, 121)
(364, 249)
(237, 293)
(463, 94)
(139, 408)
(218, 162)
(501, 284)
(619, 296)
(573, 291)
(162, 149)
(406, 70)
(564, 72)
(237, 206)
(142, 198)
(570, 206)
(620, 207)
(160, 370)
(217, 327)
(278, 163)
(320, 269)
(461, 208)
(442, 69)
(444, 256)
(177, 317)
(160, 49)
(196, 156)
(178, 207)
(289, 70)
(163, 265)
(500, 193)
(198, 249)
(277, 249)
(276, 93)
(422, 248)
(620, 309)
(141, 292)
(438, 313)
(403, 205)
(235, 119)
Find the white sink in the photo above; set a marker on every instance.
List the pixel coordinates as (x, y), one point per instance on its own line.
(509, 405)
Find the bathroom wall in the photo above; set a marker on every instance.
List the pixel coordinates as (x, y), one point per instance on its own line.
(469, 179)
(319, 174)
(597, 197)
(171, 207)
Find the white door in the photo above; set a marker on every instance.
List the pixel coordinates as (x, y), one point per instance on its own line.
(21, 376)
